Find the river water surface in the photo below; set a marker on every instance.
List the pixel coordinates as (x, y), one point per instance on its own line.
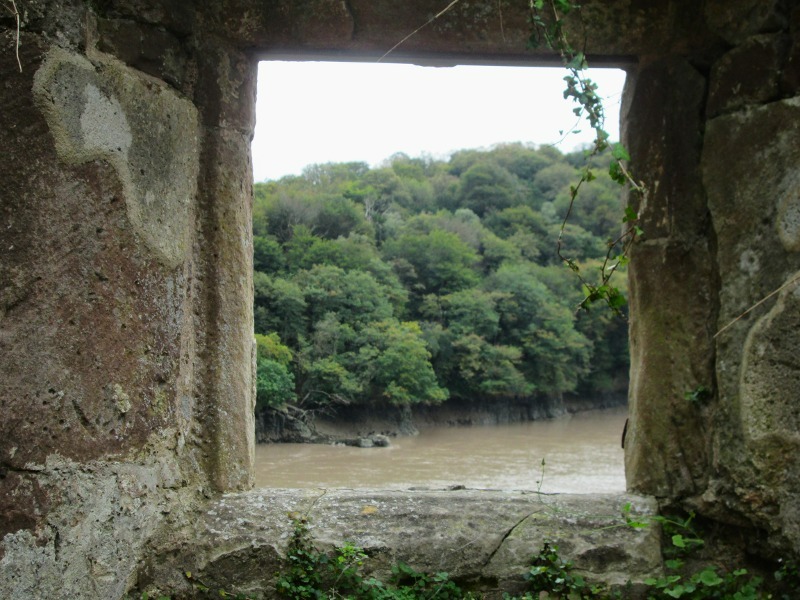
(581, 454)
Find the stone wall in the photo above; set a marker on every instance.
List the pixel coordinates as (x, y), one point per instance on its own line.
(126, 382)
(125, 291)
(718, 140)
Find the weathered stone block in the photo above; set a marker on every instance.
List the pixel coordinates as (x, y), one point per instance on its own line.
(790, 77)
(756, 222)
(224, 361)
(148, 48)
(146, 132)
(662, 127)
(96, 225)
(747, 75)
(671, 293)
(477, 537)
(736, 20)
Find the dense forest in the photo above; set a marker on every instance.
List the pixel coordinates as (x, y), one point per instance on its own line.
(427, 280)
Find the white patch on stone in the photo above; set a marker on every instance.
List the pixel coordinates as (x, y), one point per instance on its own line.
(103, 124)
(749, 263)
(789, 217)
(147, 133)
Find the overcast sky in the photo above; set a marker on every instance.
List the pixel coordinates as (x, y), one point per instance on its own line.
(315, 112)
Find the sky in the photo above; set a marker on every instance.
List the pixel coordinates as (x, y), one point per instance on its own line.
(318, 112)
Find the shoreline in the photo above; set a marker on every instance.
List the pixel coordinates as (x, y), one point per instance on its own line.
(366, 426)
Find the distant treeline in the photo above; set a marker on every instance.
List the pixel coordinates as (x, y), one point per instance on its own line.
(424, 280)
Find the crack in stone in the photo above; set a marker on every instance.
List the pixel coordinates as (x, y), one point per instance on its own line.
(505, 537)
(314, 502)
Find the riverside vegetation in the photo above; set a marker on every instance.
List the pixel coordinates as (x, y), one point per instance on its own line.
(423, 280)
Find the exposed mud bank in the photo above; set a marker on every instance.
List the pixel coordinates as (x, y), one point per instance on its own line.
(364, 425)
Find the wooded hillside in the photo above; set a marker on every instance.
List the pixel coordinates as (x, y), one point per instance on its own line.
(424, 280)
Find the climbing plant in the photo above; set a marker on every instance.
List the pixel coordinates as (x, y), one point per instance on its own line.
(548, 19)
(11, 6)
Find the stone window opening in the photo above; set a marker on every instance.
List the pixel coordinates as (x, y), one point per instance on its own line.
(308, 135)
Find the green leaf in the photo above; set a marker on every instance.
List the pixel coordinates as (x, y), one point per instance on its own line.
(578, 62)
(678, 541)
(630, 214)
(616, 174)
(709, 577)
(615, 299)
(675, 592)
(619, 152)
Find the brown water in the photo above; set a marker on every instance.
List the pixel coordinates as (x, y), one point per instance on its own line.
(582, 454)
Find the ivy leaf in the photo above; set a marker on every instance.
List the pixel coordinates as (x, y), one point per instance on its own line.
(616, 174)
(678, 541)
(578, 62)
(565, 6)
(630, 214)
(620, 153)
(615, 299)
(709, 577)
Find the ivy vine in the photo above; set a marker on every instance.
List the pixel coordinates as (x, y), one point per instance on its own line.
(547, 18)
(11, 6)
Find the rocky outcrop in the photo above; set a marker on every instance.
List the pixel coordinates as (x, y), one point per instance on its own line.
(483, 540)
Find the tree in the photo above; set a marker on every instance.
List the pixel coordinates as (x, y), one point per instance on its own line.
(397, 361)
(441, 262)
(267, 255)
(280, 307)
(486, 187)
(355, 297)
(555, 355)
(274, 384)
(274, 380)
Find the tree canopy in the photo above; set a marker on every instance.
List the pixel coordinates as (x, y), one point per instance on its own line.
(424, 280)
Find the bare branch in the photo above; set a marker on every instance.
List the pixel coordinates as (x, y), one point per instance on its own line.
(418, 29)
(13, 10)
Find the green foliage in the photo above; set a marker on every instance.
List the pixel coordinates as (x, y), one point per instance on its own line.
(394, 358)
(788, 579)
(312, 574)
(267, 255)
(274, 384)
(699, 395)
(706, 582)
(426, 279)
(269, 347)
(551, 576)
(547, 22)
(440, 261)
(274, 380)
(486, 186)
